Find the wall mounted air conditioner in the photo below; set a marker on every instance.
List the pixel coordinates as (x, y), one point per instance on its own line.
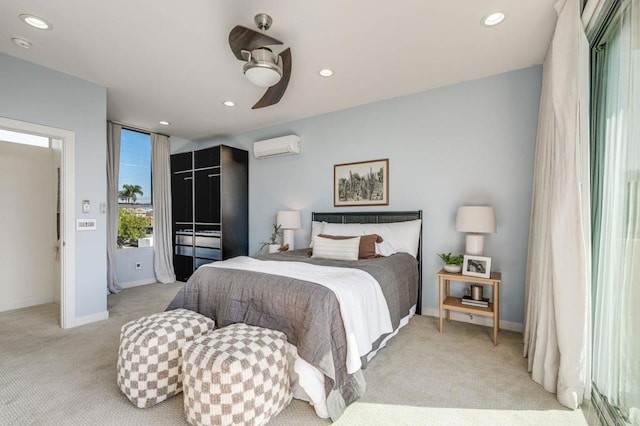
(284, 145)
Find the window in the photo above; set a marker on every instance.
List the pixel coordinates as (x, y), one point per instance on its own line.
(615, 159)
(135, 223)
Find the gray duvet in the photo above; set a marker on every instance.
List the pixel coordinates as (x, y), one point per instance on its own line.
(308, 313)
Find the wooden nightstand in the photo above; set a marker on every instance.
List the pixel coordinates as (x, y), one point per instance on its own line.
(450, 303)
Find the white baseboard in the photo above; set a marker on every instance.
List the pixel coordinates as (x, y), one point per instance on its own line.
(477, 319)
(138, 283)
(88, 319)
(26, 304)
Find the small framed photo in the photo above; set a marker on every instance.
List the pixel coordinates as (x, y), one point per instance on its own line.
(361, 184)
(476, 266)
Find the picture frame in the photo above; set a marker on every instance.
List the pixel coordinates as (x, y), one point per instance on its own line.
(476, 266)
(365, 183)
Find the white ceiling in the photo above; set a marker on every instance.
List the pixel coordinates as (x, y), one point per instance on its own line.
(170, 60)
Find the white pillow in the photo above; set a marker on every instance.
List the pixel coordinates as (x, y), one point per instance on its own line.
(347, 229)
(402, 236)
(385, 249)
(316, 229)
(327, 248)
(405, 236)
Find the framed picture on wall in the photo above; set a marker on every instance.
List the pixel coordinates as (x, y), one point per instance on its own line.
(361, 184)
(476, 266)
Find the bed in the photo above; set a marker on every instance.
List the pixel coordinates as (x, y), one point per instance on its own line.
(332, 334)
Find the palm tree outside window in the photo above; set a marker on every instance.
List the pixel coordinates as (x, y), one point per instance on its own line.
(129, 193)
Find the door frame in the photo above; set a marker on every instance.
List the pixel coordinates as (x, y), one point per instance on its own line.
(67, 206)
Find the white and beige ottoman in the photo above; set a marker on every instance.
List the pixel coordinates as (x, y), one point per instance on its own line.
(236, 375)
(150, 354)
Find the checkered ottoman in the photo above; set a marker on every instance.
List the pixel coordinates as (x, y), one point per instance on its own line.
(150, 354)
(236, 375)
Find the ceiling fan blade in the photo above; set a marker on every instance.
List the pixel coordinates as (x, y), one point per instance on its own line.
(274, 93)
(242, 38)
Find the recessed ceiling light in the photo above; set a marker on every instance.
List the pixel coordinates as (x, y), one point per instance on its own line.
(22, 42)
(325, 72)
(493, 19)
(229, 103)
(36, 21)
(165, 123)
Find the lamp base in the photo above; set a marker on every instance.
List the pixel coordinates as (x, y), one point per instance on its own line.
(475, 244)
(287, 238)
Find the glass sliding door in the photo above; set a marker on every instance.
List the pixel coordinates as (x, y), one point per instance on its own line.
(616, 214)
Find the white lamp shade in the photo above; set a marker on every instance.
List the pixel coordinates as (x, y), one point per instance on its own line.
(476, 219)
(288, 219)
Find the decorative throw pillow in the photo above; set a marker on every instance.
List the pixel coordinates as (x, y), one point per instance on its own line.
(327, 248)
(316, 229)
(367, 249)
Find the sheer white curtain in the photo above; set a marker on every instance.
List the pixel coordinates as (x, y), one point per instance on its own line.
(113, 166)
(557, 320)
(616, 356)
(161, 175)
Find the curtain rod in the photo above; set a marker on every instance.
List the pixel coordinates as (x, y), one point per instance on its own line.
(137, 128)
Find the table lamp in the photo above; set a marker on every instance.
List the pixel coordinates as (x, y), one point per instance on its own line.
(289, 220)
(476, 220)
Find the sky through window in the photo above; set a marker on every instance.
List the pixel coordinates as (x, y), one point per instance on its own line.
(135, 163)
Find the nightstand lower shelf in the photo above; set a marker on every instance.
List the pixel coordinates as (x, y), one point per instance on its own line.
(455, 304)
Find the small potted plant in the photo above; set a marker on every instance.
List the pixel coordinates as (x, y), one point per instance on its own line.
(272, 244)
(452, 262)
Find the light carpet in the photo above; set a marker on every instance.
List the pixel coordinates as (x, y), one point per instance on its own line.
(68, 377)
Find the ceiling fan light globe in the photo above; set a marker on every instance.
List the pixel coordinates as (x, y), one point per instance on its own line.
(262, 74)
(263, 68)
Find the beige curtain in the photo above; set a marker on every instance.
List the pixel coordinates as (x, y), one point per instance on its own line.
(557, 318)
(113, 166)
(161, 183)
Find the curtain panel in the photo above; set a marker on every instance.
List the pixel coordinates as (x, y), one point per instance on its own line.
(161, 184)
(113, 166)
(557, 288)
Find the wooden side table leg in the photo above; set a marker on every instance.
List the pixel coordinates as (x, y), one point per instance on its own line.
(440, 282)
(496, 312)
(447, 294)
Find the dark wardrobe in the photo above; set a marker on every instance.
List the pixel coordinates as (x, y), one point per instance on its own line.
(210, 206)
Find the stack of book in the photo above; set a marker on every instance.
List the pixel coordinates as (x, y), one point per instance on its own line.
(467, 300)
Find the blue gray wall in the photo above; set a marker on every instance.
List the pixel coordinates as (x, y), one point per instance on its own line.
(469, 143)
(40, 95)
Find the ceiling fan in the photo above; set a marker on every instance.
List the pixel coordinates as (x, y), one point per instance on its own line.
(262, 67)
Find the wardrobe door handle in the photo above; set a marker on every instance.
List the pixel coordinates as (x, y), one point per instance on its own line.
(188, 178)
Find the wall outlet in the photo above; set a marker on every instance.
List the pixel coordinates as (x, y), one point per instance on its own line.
(138, 265)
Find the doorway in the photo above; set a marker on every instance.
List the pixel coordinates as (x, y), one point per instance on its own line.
(62, 142)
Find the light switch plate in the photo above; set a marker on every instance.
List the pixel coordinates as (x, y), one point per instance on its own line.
(85, 224)
(103, 207)
(86, 206)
